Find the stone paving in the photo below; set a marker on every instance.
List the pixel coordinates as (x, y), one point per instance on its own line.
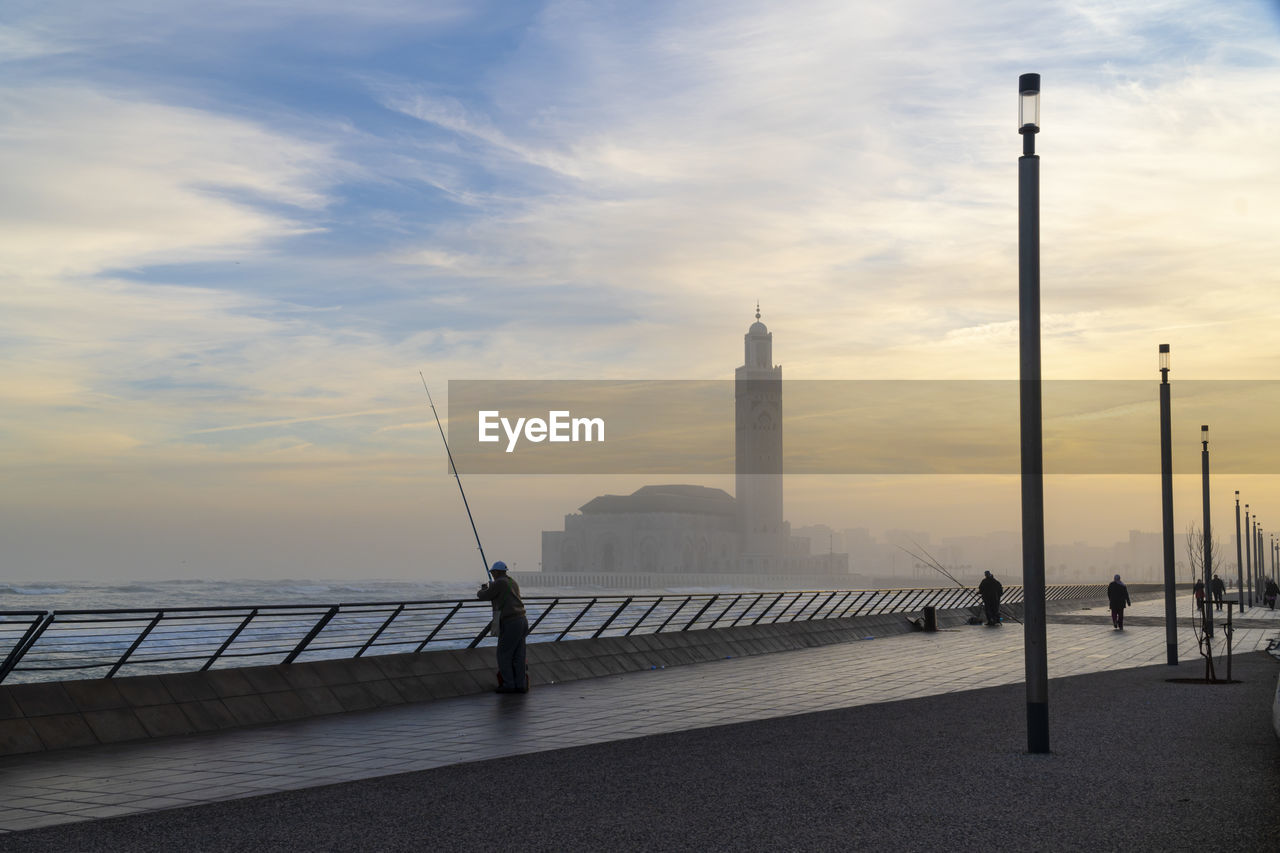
(96, 782)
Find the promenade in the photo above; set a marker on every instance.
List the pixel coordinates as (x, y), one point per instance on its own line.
(906, 742)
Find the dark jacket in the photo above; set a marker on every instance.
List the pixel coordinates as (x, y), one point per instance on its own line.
(1218, 587)
(1118, 595)
(505, 595)
(990, 589)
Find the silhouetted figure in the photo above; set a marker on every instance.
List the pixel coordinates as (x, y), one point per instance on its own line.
(1118, 598)
(1269, 594)
(991, 589)
(1219, 589)
(508, 611)
(1198, 592)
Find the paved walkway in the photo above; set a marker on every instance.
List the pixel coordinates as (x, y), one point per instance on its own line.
(98, 782)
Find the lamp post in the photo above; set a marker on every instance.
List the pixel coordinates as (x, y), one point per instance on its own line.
(1034, 638)
(1248, 551)
(1262, 561)
(1257, 551)
(1166, 501)
(1239, 562)
(1208, 536)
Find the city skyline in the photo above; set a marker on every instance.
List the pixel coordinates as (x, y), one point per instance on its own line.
(232, 237)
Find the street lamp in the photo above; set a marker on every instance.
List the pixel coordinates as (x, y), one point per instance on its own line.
(1166, 500)
(1239, 562)
(1034, 637)
(1029, 111)
(1208, 544)
(1248, 551)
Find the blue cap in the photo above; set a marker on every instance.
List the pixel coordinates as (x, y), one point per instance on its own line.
(499, 567)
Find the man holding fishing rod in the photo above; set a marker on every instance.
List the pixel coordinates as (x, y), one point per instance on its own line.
(512, 625)
(991, 589)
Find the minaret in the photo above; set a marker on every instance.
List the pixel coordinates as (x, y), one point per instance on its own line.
(758, 450)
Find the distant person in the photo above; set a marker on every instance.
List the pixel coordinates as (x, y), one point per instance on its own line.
(1270, 593)
(1198, 592)
(1118, 597)
(1219, 589)
(991, 589)
(508, 611)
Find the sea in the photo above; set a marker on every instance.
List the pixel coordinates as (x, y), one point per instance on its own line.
(187, 592)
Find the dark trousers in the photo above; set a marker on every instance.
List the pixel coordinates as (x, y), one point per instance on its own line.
(511, 663)
(992, 606)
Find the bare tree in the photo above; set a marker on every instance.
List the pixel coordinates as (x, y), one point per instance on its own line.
(1195, 559)
(1195, 553)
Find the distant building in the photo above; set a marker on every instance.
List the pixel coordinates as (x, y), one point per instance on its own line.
(692, 535)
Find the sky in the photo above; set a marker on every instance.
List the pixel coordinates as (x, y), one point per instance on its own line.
(232, 234)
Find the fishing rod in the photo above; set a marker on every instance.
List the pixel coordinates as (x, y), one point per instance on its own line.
(454, 469)
(929, 561)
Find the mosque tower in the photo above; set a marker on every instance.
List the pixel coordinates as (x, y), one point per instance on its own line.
(758, 453)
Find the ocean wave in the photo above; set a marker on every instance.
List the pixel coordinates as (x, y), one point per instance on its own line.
(32, 590)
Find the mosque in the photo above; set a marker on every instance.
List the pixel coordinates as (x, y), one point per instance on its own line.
(689, 535)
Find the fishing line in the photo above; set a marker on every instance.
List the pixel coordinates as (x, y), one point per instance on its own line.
(934, 564)
(454, 469)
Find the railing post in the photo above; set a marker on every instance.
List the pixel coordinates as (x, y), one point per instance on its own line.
(484, 632)
(746, 610)
(784, 610)
(581, 613)
(820, 606)
(673, 613)
(612, 616)
(725, 612)
(767, 609)
(37, 627)
(640, 621)
(700, 612)
(227, 643)
(436, 629)
(806, 604)
(311, 635)
(378, 633)
(856, 597)
(137, 642)
(542, 615)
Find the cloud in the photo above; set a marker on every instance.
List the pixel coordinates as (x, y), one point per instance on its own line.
(94, 180)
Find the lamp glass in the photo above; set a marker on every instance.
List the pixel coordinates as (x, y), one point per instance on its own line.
(1029, 109)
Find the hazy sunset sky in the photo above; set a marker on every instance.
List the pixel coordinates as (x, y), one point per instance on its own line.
(233, 233)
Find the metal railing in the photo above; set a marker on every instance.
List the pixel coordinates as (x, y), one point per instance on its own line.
(40, 645)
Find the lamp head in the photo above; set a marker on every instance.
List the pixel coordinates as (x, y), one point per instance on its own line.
(1029, 103)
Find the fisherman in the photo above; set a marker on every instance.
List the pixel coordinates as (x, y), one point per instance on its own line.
(1219, 590)
(1118, 598)
(991, 589)
(509, 615)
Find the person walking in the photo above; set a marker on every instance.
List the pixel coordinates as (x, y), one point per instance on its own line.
(1270, 593)
(509, 614)
(1198, 592)
(991, 589)
(1219, 589)
(1118, 598)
